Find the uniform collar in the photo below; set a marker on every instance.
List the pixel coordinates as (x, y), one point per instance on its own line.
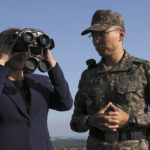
(124, 64)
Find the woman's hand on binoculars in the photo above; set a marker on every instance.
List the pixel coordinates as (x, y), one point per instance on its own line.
(50, 58)
(6, 48)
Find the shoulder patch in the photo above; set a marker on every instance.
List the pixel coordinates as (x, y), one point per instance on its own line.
(141, 61)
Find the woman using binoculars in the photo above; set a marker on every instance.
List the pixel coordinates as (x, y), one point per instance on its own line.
(25, 98)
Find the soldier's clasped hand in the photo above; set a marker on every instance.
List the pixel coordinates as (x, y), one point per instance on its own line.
(111, 120)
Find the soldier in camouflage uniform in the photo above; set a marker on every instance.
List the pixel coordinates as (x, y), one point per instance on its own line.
(112, 99)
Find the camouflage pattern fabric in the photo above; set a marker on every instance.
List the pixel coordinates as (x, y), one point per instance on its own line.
(124, 85)
(95, 144)
(104, 19)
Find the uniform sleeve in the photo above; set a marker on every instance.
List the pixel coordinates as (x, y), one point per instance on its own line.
(144, 119)
(61, 96)
(79, 118)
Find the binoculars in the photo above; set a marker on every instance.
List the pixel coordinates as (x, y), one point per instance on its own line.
(35, 42)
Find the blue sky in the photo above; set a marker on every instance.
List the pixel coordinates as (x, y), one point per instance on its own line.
(64, 20)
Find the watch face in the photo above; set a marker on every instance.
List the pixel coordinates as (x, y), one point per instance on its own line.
(132, 121)
(132, 124)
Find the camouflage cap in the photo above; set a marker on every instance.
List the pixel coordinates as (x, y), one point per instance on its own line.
(104, 19)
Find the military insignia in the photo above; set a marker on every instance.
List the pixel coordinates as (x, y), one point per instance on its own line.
(143, 61)
(139, 60)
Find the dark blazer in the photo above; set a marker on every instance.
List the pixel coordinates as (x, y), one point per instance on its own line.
(20, 130)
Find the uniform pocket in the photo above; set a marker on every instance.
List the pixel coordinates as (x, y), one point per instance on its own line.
(127, 89)
(126, 93)
(128, 97)
(95, 100)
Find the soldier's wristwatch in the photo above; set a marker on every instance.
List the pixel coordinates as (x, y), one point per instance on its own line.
(132, 122)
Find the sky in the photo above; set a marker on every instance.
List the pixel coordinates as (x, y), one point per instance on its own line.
(63, 21)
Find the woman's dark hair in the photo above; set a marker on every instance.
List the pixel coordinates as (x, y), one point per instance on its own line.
(6, 32)
(8, 36)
